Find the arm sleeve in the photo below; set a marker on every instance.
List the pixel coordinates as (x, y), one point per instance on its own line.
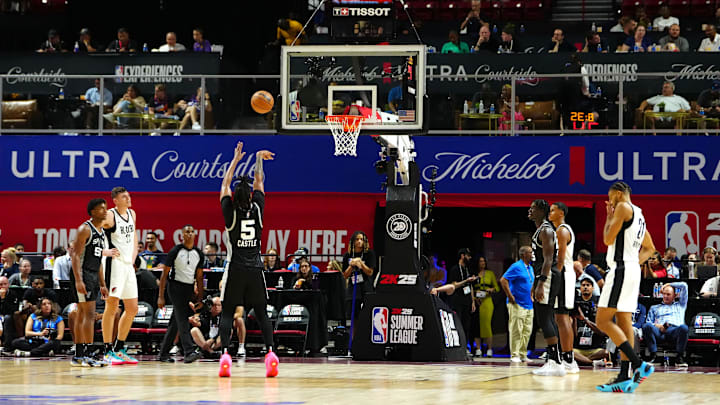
(172, 255)
(228, 211)
(653, 100)
(681, 288)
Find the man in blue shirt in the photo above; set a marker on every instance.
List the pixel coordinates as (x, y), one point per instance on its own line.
(302, 252)
(92, 98)
(517, 283)
(666, 321)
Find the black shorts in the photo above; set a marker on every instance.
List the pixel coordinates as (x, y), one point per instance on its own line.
(551, 288)
(244, 286)
(92, 286)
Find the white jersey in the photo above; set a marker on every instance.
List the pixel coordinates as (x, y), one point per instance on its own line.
(567, 261)
(122, 236)
(626, 248)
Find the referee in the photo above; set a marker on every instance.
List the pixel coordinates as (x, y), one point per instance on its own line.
(184, 265)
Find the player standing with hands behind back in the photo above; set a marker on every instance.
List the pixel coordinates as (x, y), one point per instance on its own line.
(629, 244)
(244, 282)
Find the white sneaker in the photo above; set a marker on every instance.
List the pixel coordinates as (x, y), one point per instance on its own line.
(478, 353)
(21, 353)
(174, 350)
(551, 368)
(489, 353)
(571, 368)
(196, 126)
(599, 363)
(524, 359)
(515, 359)
(241, 352)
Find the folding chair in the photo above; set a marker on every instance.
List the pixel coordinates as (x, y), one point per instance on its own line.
(292, 326)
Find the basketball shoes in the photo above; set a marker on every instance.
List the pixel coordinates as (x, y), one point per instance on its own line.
(271, 364)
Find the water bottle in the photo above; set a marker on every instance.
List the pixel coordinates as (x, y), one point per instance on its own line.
(522, 28)
(593, 27)
(599, 48)
(61, 96)
(500, 50)
(691, 265)
(280, 283)
(599, 91)
(76, 48)
(481, 107)
(494, 29)
(655, 290)
(466, 108)
(702, 114)
(492, 108)
(636, 49)
(649, 28)
(147, 109)
(145, 48)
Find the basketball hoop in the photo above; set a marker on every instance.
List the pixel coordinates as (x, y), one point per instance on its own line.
(345, 130)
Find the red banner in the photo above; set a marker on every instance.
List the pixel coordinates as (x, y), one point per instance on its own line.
(319, 221)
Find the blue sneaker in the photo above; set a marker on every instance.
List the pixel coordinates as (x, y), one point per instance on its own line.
(642, 373)
(625, 386)
(127, 359)
(113, 359)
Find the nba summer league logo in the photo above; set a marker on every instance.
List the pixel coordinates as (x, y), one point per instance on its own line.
(379, 325)
(399, 226)
(682, 231)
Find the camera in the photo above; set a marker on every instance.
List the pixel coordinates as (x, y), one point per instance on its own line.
(52, 333)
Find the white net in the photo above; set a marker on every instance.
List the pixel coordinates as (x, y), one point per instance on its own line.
(345, 130)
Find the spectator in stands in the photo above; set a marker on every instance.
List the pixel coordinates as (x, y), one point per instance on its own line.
(299, 254)
(192, 112)
(131, 102)
(709, 100)
(85, 42)
(171, 44)
(63, 264)
(161, 107)
(272, 262)
(93, 100)
(517, 283)
(628, 29)
(712, 42)
(200, 44)
(486, 42)
(655, 267)
(53, 44)
(205, 328)
(710, 257)
(580, 275)
(123, 43)
(584, 258)
(590, 341)
(671, 262)
(594, 44)
(474, 21)
(641, 16)
(665, 20)
(333, 265)
(19, 249)
(669, 102)
(558, 43)
(709, 288)
(304, 278)
(287, 30)
(212, 258)
(9, 263)
(673, 42)
(38, 291)
(152, 254)
(454, 45)
(625, 25)
(509, 44)
(666, 322)
(22, 279)
(9, 304)
(44, 331)
(504, 107)
(638, 42)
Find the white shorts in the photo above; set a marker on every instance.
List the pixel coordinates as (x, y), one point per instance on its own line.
(566, 296)
(123, 283)
(621, 289)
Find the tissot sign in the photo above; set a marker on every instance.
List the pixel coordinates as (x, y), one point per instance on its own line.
(467, 165)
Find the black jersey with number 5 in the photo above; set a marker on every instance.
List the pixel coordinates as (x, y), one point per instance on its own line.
(244, 229)
(93, 249)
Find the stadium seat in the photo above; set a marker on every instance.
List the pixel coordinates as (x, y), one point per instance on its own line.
(252, 328)
(512, 10)
(292, 327)
(679, 8)
(628, 6)
(141, 324)
(424, 10)
(702, 8)
(450, 11)
(652, 7)
(492, 9)
(534, 10)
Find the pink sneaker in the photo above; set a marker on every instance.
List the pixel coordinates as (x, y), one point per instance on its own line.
(225, 365)
(271, 365)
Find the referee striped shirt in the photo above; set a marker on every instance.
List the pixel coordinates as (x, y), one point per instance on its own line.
(674, 314)
(184, 262)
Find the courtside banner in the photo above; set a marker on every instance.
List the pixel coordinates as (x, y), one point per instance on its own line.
(321, 222)
(666, 165)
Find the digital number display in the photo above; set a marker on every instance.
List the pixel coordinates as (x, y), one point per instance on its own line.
(577, 116)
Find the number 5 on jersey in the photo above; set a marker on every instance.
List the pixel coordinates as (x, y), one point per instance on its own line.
(247, 233)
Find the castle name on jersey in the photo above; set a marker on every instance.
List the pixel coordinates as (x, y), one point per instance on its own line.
(249, 243)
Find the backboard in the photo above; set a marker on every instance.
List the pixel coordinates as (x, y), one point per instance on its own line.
(384, 83)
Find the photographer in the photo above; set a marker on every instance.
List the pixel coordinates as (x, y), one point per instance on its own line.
(43, 332)
(206, 327)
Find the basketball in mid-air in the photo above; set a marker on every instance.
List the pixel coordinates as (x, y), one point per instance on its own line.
(262, 101)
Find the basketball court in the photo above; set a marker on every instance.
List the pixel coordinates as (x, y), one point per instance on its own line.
(329, 380)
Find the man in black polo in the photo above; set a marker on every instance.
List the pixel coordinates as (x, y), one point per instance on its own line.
(184, 267)
(461, 300)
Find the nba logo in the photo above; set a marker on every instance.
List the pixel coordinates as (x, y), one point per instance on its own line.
(698, 321)
(682, 231)
(295, 111)
(379, 325)
(119, 70)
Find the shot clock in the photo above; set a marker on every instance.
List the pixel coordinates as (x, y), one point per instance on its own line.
(582, 120)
